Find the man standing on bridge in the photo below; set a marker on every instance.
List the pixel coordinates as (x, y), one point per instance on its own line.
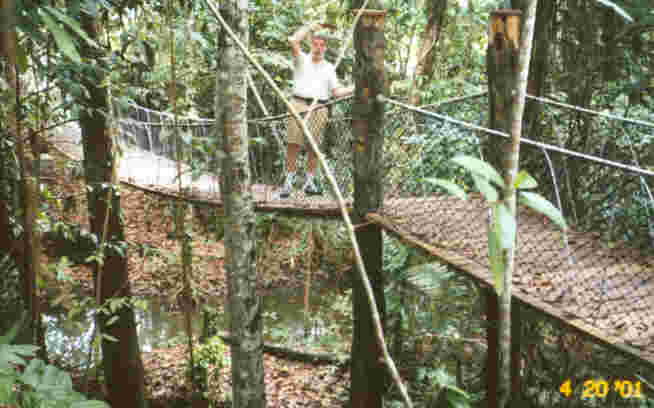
(314, 78)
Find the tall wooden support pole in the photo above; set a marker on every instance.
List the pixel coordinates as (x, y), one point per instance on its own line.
(368, 372)
(503, 68)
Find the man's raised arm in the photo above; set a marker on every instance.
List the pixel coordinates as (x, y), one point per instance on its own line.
(299, 35)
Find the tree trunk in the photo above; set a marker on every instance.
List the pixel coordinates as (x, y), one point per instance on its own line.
(123, 368)
(368, 372)
(240, 256)
(435, 11)
(538, 69)
(511, 170)
(31, 241)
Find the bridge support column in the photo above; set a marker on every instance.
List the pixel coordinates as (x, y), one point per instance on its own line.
(368, 371)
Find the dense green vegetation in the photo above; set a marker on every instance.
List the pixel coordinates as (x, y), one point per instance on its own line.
(593, 54)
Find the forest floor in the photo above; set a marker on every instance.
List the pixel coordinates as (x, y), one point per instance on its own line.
(287, 251)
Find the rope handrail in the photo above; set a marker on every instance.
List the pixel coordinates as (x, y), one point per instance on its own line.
(285, 115)
(590, 111)
(493, 132)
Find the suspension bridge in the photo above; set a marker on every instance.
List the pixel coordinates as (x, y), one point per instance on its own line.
(598, 278)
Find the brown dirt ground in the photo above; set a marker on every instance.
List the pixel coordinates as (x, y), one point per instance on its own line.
(148, 223)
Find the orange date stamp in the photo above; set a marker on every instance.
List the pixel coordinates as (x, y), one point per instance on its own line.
(600, 388)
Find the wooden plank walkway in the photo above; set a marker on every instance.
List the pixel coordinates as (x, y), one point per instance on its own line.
(605, 293)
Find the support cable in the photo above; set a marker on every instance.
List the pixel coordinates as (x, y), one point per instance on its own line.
(609, 163)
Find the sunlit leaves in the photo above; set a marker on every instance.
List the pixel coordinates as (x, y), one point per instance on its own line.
(479, 167)
(485, 188)
(63, 40)
(448, 186)
(524, 181)
(544, 207)
(501, 238)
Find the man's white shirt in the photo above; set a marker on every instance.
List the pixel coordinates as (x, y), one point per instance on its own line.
(314, 80)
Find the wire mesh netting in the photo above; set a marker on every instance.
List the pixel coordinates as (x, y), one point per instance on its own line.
(149, 153)
(599, 274)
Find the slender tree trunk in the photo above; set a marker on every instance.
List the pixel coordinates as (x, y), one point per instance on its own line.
(31, 242)
(511, 171)
(240, 256)
(368, 372)
(435, 11)
(539, 66)
(123, 368)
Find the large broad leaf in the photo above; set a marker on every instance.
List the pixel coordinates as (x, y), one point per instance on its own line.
(63, 40)
(495, 255)
(452, 188)
(72, 24)
(506, 226)
(540, 204)
(485, 188)
(90, 404)
(617, 9)
(479, 167)
(524, 181)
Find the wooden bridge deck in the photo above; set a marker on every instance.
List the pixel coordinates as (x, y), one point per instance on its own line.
(606, 293)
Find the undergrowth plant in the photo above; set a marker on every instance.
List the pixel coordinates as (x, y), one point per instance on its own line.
(28, 382)
(503, 225)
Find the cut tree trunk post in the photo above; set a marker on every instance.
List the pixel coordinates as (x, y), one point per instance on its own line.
(368, 372)
(502, 65)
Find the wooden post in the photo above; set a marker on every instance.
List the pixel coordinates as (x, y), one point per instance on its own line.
(368, 372)
(502, 66)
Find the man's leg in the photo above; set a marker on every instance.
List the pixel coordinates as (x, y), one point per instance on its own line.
(291, 157)
(319, 123)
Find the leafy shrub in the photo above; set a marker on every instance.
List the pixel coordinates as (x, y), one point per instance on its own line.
(209, 361)
(39, 384)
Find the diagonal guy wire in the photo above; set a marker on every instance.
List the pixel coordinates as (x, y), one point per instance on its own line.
(339, 198)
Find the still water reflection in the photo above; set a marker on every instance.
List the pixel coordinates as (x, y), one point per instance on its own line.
(329, 328)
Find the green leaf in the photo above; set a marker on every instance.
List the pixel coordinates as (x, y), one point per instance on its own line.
(451, 188)
(72, 24)
(617, 9)
(541, 205)
(109, 337)
(26, 350)
(21, 58)
(90, 404)
(524, 181)
(112, 320)
(495, 256)
(9, 337)
(479, 167)
(485, 188)
(506, 226)
(63, 40)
